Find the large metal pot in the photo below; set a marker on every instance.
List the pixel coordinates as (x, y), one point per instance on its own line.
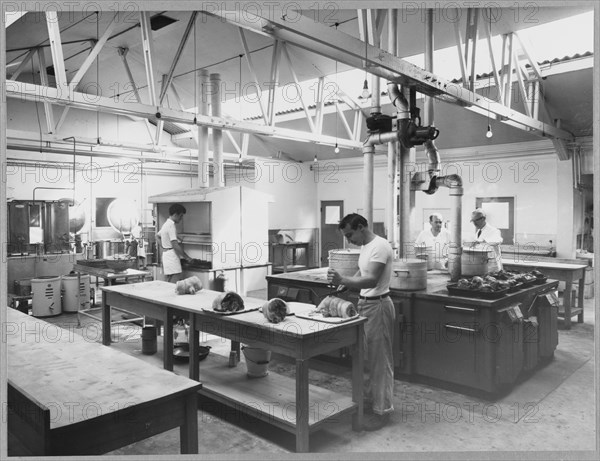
(474, 261)
(102, 248)
(409, 274)
(117, 247)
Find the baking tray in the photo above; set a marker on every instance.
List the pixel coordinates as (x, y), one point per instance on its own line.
(210, 311)
(468, 293)
(516, 287)
(319, 317)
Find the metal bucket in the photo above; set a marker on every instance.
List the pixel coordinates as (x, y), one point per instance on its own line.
(257, 361)
(409, 274)
(344, 261)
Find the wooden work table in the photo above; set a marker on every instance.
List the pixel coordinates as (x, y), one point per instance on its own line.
(566, 272)
(291, 404)
(70, 396)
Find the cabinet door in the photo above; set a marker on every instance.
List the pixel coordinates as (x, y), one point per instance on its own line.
(445, 338)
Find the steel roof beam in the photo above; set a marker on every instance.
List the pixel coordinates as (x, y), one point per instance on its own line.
(346, 49)
(37, 93)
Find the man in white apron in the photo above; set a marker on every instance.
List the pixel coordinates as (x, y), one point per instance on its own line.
(487, 237)
(172, 251)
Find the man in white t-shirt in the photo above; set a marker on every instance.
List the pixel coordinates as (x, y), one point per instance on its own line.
(437, 238)
(373, 281)
(172, 251)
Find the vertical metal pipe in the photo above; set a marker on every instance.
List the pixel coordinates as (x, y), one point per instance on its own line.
(392, 160)
(455, 250)
(428, 114)
(202, 85)
(215, 100)
(407, 197)
(368, 153)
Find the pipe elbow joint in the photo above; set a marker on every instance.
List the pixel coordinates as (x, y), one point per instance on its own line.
(452, 182)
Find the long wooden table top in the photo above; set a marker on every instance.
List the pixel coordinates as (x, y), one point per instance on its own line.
(78, 378)
(163, 293)
(544, 265)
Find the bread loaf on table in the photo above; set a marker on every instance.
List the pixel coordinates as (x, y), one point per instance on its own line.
(275, 310)
(228, 302)
(191, 285)
(332, 306)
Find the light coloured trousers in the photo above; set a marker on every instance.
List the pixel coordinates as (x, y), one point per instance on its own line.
(379, 340)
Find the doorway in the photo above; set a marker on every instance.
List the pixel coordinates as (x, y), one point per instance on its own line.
(332, 211)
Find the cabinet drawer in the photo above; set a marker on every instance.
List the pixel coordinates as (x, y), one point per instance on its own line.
(455, 314)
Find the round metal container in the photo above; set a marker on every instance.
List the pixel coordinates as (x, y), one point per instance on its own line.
(474, 261)
(102, 249)
(117, 247)
(344, 261)
(409, 274)
(72, 301)
(45, 296)
(426, 253)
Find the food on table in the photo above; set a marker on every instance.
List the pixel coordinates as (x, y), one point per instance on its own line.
(190, 286)
(228, 302)
(275, 310)
(332, 306)
(499, 280)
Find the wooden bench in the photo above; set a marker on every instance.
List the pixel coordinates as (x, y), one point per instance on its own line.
(68, 396)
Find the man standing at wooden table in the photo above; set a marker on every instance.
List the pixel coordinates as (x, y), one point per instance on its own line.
(373, 281)
(172, 251)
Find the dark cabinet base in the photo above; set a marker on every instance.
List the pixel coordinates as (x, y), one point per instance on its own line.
(479, 346)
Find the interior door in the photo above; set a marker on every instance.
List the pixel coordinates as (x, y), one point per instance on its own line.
(500, 213)
(332, 211)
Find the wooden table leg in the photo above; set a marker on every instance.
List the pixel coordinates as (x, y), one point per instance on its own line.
(357, 379)
(194, 338)
(168, 340)
(188, 432)
(567, 302)
(580, 296)
(302, 406)
(105, 320)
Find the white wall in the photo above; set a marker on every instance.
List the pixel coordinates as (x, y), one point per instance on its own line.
(540, 184)
(293, 187)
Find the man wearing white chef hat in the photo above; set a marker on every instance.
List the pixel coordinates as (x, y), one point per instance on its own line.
(487, 236)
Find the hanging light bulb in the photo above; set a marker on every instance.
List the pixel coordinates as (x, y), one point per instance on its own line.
(337, 149)
(315, 159)
(240, 158)
(365, 92)
(489, 133)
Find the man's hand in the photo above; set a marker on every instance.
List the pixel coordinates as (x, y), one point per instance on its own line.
(333, 277)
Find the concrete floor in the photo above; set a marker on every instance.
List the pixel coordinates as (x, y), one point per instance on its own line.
(552, 413)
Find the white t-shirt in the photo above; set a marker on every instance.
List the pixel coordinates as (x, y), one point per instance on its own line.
(377, 250)
(167, 233)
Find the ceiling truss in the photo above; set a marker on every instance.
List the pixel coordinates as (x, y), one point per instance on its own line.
(515, 63)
